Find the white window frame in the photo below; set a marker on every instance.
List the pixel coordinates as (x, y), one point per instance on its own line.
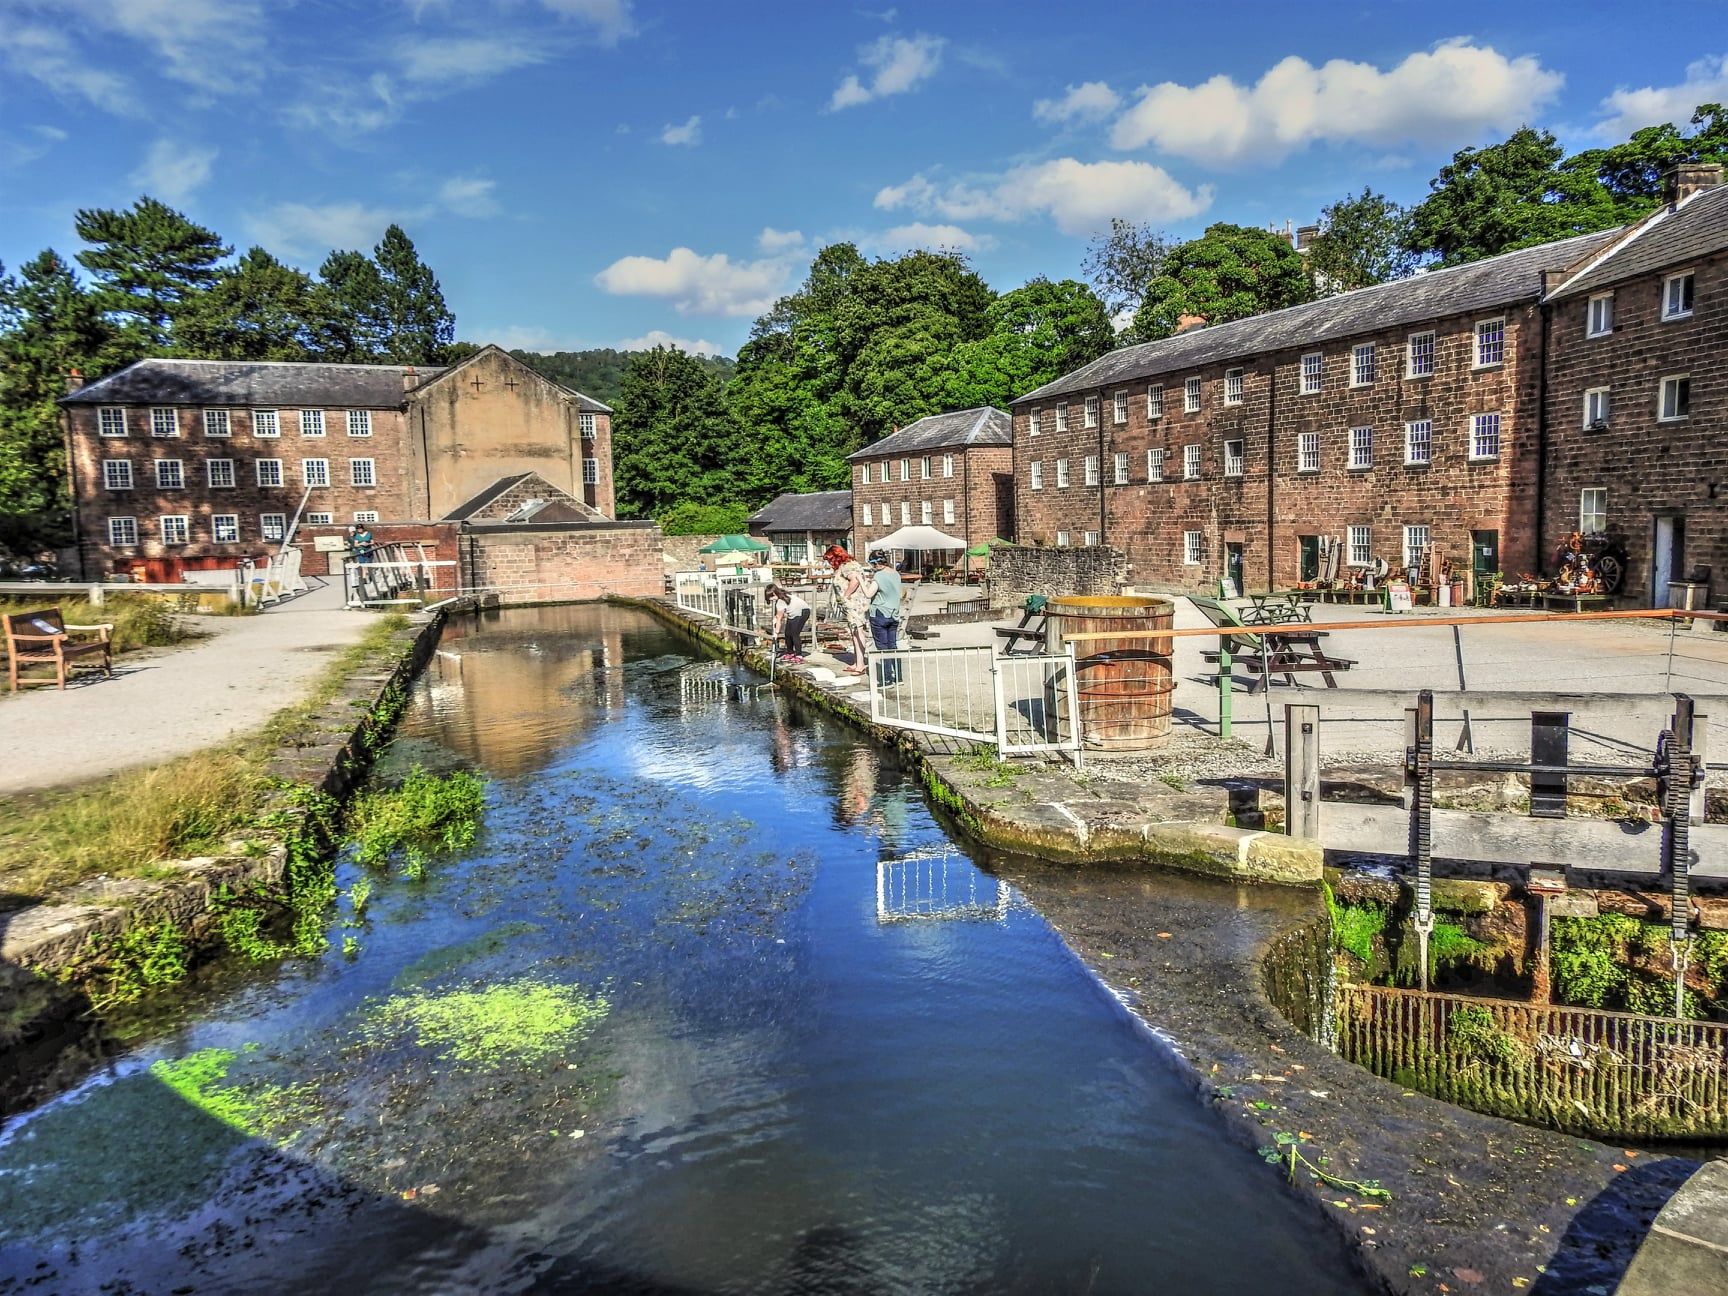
(273, 526)
(312, 423)
(1193, 548)
(590, 472)
(368, 517)
(1312, 374)
(215, 468)
(1599, 323)
(229, 522)
(315, 473)
(1233, 386)
(320, 519)
(359, 422)
(1412, 349)
(217, 423)
(1034, 422)
(1062, 417)
(182, 527)
(1411, 429)
(1358, 545)
(1154, 401)
(1480, 434)
(1598, 408)
(925, 468)
(1089, 470)
(1119, 407)
(1598, 512)
(117, 474)
(1363, 365)
(1361, 448)
(1673, 381)
(123, 532)
(948, 512)
(1037, 474)
(1088, 538)
(271, 421)
(586, 426)
(111, 420)
(869, 516)
(178, 473)
(1062, 538)
(1490, 338)
(1669, 285)
(363, 468)
(926, 513)
(1090, 414)
(1120, 466)
(1416, 554)
(164, 422)
(905, 513)
(1155, 464)
(1191, 396)
(905, 470)
(1061, 473)
(279, 473)
(947, 465)
(1191, 461)
(1235, 462)
(1307, 453)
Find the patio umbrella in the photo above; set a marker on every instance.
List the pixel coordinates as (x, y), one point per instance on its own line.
(915, 537)
(983, 550)
(734, 544)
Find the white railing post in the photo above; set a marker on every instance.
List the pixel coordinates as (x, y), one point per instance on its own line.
(1001, 708)
(1073, 673)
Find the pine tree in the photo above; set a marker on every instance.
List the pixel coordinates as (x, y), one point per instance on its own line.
(350, 319)
(420, 325)
(258, 309)
(148, 260)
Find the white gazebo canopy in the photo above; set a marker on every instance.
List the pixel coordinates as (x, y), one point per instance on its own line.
(915, 537)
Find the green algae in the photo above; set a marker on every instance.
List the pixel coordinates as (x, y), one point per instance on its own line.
(276, 1113)
(510, 1024)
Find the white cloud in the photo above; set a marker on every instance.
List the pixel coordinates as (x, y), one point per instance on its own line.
(469, 196)
(689, 134)
(297, 229)
(950, 238)
(1092, 101)
(697, 284)
(1081, 197)
(612, 20)
(1629, 110)
(173, 172)
(29, 144)
(1433, 97)
(773, 240)
(524, 337)
(438, 60)
(660, 338)
(47, 55)
(896, 64)
(210, 44)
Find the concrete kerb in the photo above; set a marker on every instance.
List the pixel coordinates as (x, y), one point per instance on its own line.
(1686, 1249)
(47, 939)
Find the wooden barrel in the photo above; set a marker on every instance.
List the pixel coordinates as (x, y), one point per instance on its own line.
(1125, 685)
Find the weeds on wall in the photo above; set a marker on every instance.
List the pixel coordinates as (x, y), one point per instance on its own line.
(1615, 961)
(426, 814)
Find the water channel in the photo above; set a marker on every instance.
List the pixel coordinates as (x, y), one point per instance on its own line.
(821, 1049)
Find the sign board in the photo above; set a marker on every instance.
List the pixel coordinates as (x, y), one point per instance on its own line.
(329, 544)
(1227, 588)
(1398, 597)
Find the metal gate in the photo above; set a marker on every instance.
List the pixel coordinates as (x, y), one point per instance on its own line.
(1021, 705)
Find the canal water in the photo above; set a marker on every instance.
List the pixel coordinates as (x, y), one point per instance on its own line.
(712, 1005)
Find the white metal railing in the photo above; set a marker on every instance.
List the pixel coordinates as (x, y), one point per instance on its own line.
(389, 576)
(1021, 705)
(704, 593)
(933, 886)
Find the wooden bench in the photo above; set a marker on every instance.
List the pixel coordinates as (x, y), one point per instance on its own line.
(1031, 626)
(1265, 652)
(44, 639)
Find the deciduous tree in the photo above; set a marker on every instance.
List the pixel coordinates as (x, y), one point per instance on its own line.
(1228, 273)
(1361, 242)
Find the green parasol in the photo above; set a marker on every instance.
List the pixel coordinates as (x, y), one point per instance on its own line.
(734, 544)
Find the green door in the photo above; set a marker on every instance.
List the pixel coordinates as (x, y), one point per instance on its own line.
(1484, 553)
(1308, 558)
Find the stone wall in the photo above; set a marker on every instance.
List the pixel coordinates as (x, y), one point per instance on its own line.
(1019, 570)
(682, 550)
(565, 562)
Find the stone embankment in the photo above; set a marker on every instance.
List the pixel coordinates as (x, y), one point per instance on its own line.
(1434, 1198)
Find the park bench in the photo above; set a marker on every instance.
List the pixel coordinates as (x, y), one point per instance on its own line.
(1031, 627)
(44, 639)
(1264, 652)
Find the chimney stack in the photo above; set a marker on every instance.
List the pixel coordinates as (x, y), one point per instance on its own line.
(1305, 236)
(1684, 179)
(74, 380)
(1185, 322)
(410, 379)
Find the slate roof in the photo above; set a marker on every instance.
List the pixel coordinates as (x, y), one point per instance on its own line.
(985, 426)
(816, 511)
(1668, 237)
(1460, 290)
(474, 503)
(263, 383)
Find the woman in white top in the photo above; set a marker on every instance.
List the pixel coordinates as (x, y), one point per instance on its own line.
(791, 615)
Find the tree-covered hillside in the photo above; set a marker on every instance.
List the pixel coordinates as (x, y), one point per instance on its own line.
(600, 372)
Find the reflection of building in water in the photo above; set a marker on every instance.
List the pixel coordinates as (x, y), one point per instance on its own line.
(937, 884)
(507, 693)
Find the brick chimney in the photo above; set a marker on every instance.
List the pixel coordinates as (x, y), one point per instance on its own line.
(410, 379)
(74, 380)
(1684, 179)
(1186, 322)
(1305, 236)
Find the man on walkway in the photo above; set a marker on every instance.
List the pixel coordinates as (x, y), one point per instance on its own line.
(885, 615)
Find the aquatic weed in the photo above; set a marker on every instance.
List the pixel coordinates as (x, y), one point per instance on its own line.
(427, 813)
(268, 1111)
(515, 1022)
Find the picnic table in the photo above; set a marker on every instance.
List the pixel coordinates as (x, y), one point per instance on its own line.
(1276, 608)
(1292, 649)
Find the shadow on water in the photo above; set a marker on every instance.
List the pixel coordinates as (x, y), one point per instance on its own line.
(1602, 1238)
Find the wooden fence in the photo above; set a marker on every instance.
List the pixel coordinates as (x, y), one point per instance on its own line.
(1610, 1074)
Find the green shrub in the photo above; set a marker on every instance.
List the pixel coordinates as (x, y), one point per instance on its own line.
(705, 519)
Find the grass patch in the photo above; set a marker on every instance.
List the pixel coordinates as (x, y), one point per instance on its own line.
(128, 824)
(427, 813)
(513, 1023)
(141, 621)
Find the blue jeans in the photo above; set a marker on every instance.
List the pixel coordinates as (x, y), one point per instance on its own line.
(885, 634)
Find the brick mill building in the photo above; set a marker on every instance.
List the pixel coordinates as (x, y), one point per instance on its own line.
(1439, 414)
(951, 471)
(187, 464)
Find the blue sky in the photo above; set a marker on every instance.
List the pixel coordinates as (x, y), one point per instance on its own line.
(613, 172)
